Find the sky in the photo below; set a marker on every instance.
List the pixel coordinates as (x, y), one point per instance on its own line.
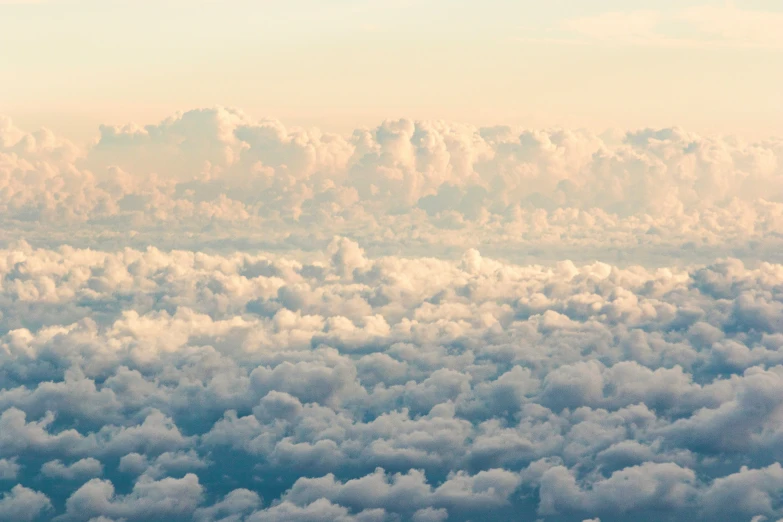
(391, 261)
(75, 64)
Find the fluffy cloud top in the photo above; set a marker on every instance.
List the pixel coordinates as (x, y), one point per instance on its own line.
(217, 177)
(152, 385)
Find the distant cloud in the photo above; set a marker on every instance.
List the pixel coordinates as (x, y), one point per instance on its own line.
(218, 176)
(702, 26)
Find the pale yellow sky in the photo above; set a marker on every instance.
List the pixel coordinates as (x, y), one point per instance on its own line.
(707, 66)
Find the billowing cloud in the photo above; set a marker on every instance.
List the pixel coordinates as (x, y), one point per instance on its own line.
(217, 177)
(143, 385)
(217, 318)
(23, 504)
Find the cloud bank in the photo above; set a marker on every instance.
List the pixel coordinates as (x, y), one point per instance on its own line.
(145, 385)
(220, 319)
(218, 179)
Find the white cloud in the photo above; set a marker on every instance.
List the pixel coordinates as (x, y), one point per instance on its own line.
(362, 348)
(84, 468)
(9, 469)
(741, 26)
(218, 177)
(595, 388)
(23, 504)
(149, 499)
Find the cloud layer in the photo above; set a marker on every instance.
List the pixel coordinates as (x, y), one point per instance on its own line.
(151, 385)
(217, 178)
(220, 319)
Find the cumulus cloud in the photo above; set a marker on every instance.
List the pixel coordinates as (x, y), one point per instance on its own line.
(8, 469)
(186, 385)
(84, 468)
(23, 504)
(306, 326)
(149, 500)
(220, 178)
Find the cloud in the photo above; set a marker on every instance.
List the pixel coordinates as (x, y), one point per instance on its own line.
(236, 504)
(648, 486)
(705, 26)
(748, 492)
(217, 177)
(430, 515)
(9, 469)
(319, 510)
(149, 499)
(384, 386)
(23, 504)
(84, 468)
(307, 326)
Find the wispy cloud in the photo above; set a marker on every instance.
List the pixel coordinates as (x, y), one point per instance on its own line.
(612, 26)
(739, 26)
(701, 26)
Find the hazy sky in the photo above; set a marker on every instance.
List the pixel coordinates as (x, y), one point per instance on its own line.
(717, 66)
